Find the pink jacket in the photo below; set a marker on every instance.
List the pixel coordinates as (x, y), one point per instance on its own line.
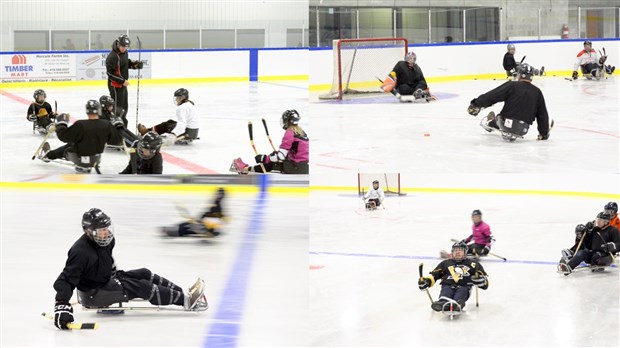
(481, 234)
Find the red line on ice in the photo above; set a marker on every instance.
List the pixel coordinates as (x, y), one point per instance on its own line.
(177, 161)
(313, 267)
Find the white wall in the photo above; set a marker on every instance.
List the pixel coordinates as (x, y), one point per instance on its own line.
(477, 59)
(170, 65)
(273, 16)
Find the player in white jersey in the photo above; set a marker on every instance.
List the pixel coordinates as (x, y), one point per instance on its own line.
(375, 196)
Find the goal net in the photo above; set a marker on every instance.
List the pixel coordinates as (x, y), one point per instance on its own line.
(389, 182)
(359, 64)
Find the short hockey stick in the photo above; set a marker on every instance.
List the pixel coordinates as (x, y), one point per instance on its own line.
(138, 92)
(477, 296)
(253, 146)
(75, 326)
(421, 277)
(268, 137)
(49, 132)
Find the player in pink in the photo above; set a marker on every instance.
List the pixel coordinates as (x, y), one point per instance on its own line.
(292, 156)
(481, 234)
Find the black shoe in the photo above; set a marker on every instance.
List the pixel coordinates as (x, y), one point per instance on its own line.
(437, 306)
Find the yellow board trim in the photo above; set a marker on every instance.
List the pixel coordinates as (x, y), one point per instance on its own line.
(284, 78)
(481, 191)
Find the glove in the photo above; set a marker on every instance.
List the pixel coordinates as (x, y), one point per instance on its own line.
(479, 280)
(117, 122)
(32, 117)
(567, 253)
(589, 226)
(260, 158)
(609, 247)
(602, 60)
(473, 109)
(543, 137)
(424, 283)
(63, 315)
(575, 75)
(62, 119)
(137, 64)
(53, 115)
(486, 250)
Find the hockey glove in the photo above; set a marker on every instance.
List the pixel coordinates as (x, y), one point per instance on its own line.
(543, 137)
(567, 254)
(425, 283)
(575, 75)
(609, 247)
(473, 109)
(589, 226)
(63, 315)
(260, 158)
(479, 280)
(486, 250)
(137, 64)
(117, 122)
(32, 117)
(602, 60)
(62, 119)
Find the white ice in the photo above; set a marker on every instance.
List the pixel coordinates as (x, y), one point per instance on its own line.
(364, 271)
(224, 109)
(38, 228)
(367, 133)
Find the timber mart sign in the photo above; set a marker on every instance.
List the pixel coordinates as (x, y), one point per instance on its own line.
(38, 67)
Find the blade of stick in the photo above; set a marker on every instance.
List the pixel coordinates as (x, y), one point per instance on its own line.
(522, 59)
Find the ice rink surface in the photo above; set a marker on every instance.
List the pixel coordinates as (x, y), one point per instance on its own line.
(255, 273)
(365, 133)
(364, 272)
(224, 110)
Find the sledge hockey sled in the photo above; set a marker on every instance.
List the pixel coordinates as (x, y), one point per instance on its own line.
(451, 309)
(371, 206)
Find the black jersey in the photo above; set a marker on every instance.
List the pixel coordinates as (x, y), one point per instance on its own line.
(153, 165)
(409, 76)
(89, 266)
(215, 210)
(522, 101)
(40, 110)
(509, 61)
(117, 66)
(452, 272)
(89, 136)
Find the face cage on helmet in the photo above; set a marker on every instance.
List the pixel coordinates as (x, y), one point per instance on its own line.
(103, 241)
(141, 154)
(605, 221)
(611, 212)
(461, 248)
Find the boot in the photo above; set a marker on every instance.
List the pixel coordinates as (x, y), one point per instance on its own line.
(44, 150)
(564, 268)
(438, 305)
(195, 299)
(484, 123)
(239, 166)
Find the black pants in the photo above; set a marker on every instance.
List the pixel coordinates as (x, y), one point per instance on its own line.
(59, 152)
(43, 121)
(120, 99)
(286, 167)
(128, 137)
(138, 283)
(587, 69)
(376, 200)
(456, 292)
(408, 89)
(597, 258)
(477, 249)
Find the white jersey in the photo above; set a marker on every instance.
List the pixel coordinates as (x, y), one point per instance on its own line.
(374, 194)
(585, 58)
(186, 117)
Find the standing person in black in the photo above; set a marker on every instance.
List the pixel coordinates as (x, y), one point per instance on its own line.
(523, 103)
(145, 157)
(86, 139)
(406, 78)
(91, 269)
(117, 66)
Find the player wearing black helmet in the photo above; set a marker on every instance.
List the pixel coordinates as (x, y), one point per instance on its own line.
(458, 274)
(117, 67)
(40, 113)
(523, 103)
(186, 125)
(107, 113)
(291, 158)
(611, 208)
(512, 67)
(407, 79)
(91, 269)
(596, 246)
(208, 225)
(145, 157)
(86, 139)
(590, 64)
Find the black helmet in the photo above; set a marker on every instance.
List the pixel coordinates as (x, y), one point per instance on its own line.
(612, 207)
(123, 40)
(604, 216)
(106, 101)
(93, 220)
(221, 192)
(476, 212)
(93, 107)
(525, 72)
(289, 117)
(181, 93)
(587, 42)
(39, 92)
(579, 229)
(149, 145)
(461, 245)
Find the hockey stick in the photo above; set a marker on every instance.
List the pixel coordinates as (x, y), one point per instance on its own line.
(49, 131)
(268, 137)
(75, 326)
(477, 297)
(253, 146)
(138, 92)
(421, 277)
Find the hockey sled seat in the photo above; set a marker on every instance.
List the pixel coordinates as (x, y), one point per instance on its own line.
(111, 293)
(84, 162)
(512, 129)
(371, 205)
